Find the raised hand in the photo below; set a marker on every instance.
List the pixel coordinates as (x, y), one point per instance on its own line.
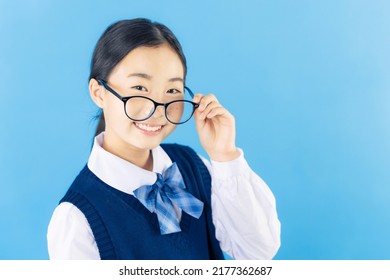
(216, 128)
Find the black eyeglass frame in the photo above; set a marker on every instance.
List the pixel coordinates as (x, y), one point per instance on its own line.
(124, 99)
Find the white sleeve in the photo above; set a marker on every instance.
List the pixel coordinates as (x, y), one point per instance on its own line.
(69, 235)
(243, 211)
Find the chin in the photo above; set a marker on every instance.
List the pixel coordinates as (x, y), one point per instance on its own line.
(151, 138)
(146, 143)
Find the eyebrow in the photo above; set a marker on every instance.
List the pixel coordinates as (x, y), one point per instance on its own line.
(177, 79)
(140, 75)
(148, 77)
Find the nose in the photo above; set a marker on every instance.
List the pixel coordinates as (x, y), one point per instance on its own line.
(159, 112)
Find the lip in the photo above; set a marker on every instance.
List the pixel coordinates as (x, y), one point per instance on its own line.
(149, 129)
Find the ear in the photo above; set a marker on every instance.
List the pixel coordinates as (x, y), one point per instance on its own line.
(96, 92)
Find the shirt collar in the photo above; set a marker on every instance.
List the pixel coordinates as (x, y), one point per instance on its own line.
(121, 174)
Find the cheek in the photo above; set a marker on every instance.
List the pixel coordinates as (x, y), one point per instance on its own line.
(169, 128)
(115, 115)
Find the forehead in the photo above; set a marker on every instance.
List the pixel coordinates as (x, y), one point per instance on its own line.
(160, 62)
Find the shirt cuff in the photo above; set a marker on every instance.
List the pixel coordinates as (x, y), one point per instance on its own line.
(228, 169)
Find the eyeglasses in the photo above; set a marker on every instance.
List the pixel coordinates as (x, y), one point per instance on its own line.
(140, 108)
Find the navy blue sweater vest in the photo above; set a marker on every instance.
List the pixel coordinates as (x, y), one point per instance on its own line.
(124, 229)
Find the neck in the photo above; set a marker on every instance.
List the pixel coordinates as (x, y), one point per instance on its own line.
(140, 157)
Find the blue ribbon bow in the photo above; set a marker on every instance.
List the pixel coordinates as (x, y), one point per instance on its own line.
(167, 191)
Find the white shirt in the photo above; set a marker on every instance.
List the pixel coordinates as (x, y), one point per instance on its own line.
(243, 207)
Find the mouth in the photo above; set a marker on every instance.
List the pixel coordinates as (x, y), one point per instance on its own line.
(149, 129)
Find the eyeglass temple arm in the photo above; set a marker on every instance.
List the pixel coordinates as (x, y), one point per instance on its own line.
(189, 91)
(103, 83)
(192, 95)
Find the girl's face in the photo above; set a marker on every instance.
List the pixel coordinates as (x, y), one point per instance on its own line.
(154, 72)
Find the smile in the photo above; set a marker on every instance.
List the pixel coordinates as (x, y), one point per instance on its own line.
(148, 128)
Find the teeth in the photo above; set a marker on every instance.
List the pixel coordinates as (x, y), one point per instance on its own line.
(148, 127)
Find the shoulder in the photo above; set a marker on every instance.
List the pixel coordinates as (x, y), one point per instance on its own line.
(69, 235)
(85, 183)
(67, 220)
(67, 214)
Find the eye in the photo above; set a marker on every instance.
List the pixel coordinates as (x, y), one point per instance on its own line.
(173, 91)
(140, 88)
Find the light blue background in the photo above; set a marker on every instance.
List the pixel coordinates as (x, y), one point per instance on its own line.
(308, 83)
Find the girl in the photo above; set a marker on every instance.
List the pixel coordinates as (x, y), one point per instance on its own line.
(139, 199)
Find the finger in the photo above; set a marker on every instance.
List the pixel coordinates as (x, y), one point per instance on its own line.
(210, 106)
(218, 111)
(197, 98)
(205, 100)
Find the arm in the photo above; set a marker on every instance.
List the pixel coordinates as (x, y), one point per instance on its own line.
(244, 211)
(69, 236)
(243, 206)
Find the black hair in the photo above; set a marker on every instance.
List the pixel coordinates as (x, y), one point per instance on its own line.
(122, 37)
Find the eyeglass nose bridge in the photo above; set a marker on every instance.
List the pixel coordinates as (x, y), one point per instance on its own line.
(156, 105)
